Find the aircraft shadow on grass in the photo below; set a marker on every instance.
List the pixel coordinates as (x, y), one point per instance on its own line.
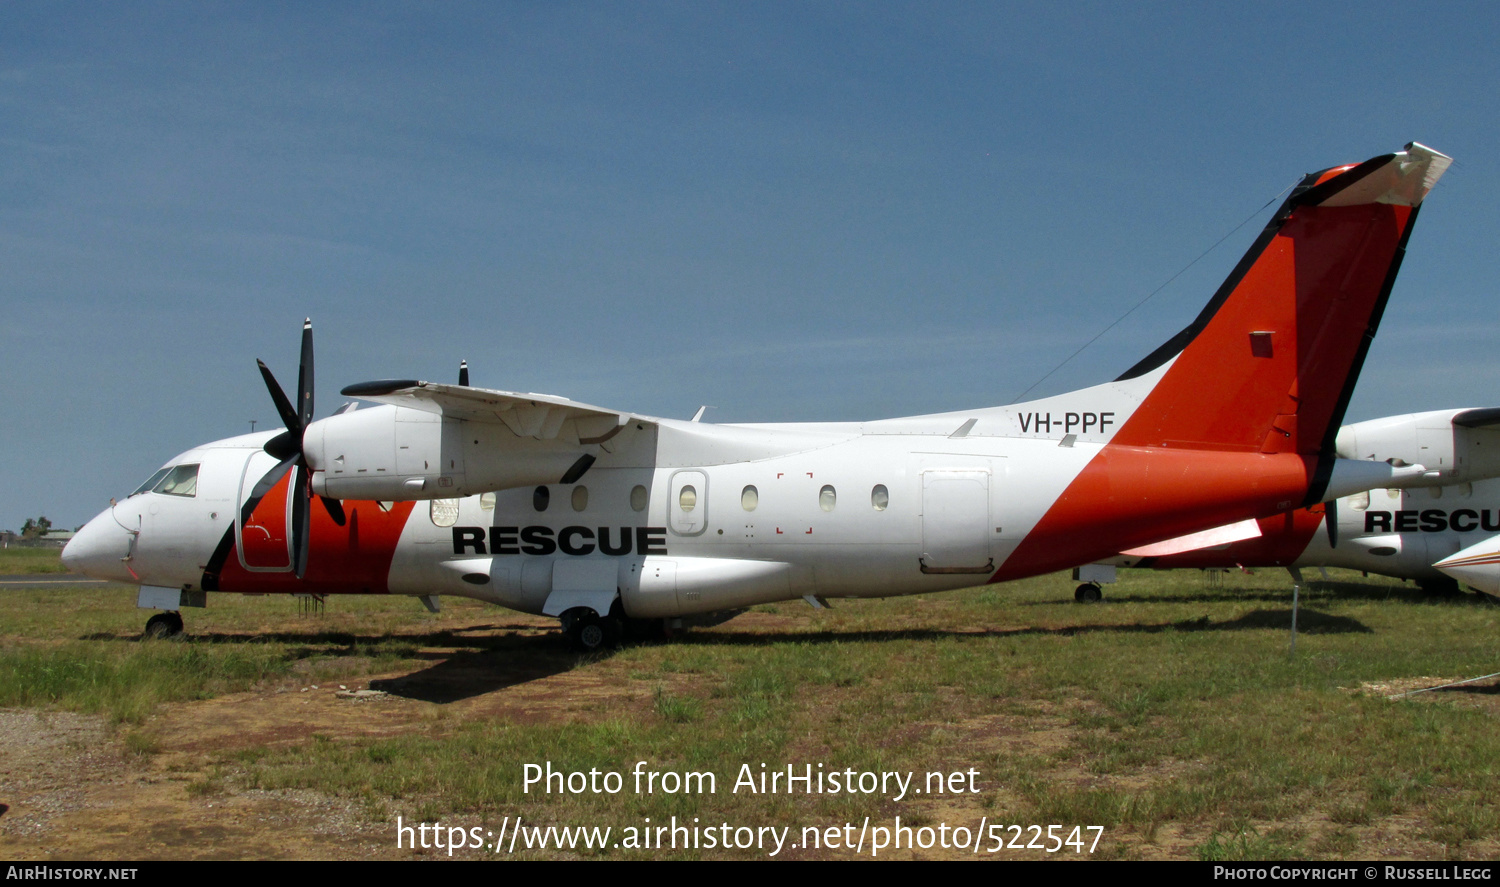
(486, 663)
(470, 674)
(1310, 621)
(1316, 590)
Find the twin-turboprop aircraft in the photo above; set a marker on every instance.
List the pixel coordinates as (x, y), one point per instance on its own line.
(593, 515)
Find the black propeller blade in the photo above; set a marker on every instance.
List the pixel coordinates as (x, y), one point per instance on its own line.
(287, 447)
(264, 485)
(335, 509)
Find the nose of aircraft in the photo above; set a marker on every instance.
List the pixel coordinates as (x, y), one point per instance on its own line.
(99, 549)
(1477, 566)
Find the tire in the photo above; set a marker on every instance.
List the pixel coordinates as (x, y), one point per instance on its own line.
(590, 632)
(1088, 593)
(164, 625)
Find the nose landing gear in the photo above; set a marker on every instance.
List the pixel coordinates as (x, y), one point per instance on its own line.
(164, 625)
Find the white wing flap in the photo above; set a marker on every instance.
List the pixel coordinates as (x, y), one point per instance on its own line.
(540, 416)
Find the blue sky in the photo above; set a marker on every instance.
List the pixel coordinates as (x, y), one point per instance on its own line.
(788, 211)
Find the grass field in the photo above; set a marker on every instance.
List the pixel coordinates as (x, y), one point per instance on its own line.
(1171, 716)
(17, 560)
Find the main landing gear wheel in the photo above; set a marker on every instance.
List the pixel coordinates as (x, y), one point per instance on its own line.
(1088, 593)
(164, 625)
(590, 632)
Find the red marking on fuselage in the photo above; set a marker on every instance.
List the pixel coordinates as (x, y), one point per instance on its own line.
(1132, 496)
(264, 536)
(352, 559)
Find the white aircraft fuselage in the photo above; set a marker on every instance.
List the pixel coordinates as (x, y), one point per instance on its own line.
(546, 505)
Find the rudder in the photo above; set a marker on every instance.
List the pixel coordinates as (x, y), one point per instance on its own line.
(1270, 363)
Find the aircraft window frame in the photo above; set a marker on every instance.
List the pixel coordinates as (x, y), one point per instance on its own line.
(178, 480)
(541, 497)
(749, 497)
(151, 481)
(880, 498)
(640, 497)
(444, 512)
(580, 498)
(828, 497)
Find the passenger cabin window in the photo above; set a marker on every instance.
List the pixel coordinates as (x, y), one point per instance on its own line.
(444, 512)
(151, 481)
(540, 499)
(688, 498)
(827, 498)
(638, 498)
(486, 501)
(880, 498)
(749, 498)
(580, 498)
(1359, 501)
(180, 481)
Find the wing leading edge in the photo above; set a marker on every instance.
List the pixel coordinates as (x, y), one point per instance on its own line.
(538, 416)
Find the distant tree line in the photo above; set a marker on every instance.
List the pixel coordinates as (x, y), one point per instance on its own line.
(35, 529)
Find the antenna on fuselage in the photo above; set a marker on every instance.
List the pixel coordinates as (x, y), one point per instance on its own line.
(463, 373)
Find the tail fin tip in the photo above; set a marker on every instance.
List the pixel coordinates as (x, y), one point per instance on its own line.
(1401, 179)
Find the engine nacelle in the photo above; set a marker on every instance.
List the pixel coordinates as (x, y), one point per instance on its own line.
(1441, 441)
(390, 453)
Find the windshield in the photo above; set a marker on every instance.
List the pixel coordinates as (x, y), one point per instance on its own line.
(151, 481)
(181, 480)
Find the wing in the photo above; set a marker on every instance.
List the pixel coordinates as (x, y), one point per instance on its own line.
(539, 416)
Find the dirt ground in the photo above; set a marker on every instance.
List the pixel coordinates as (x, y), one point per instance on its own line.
(71, 788)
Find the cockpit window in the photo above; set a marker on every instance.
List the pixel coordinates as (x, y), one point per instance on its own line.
(181, 480)
(151, 481)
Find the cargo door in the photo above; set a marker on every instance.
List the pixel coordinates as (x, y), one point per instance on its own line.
(956, 522)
